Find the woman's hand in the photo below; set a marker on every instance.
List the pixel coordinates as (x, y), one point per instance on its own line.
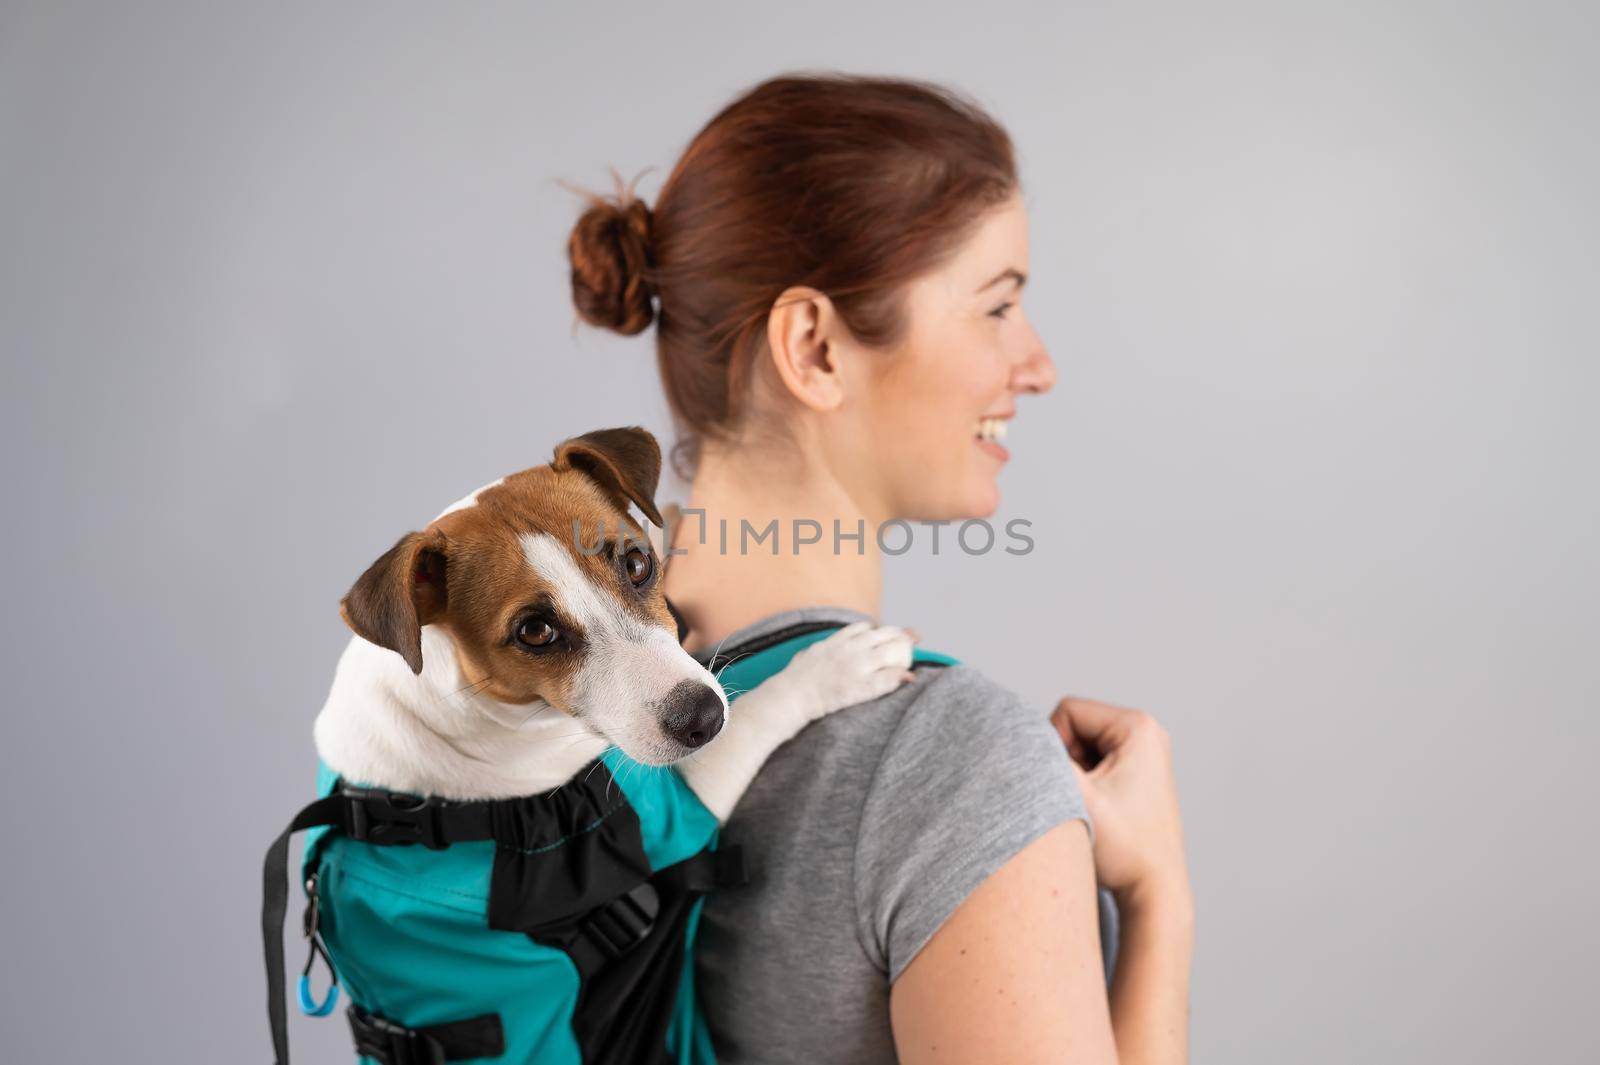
(1123, 762)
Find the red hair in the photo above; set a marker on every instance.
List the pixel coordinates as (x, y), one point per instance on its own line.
(847, 184)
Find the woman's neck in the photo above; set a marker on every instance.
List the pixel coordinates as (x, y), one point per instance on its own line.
(741, 506)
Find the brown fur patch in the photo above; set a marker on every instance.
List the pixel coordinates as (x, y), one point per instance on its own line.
(477, 583)
(397, 595)
(624, 462)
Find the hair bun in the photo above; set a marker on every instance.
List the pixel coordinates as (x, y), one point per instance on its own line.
(612, 254)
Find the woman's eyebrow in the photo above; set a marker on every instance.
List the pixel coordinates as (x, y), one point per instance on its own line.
(1009, 272)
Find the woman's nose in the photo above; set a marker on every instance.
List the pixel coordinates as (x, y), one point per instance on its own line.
(1036, 373)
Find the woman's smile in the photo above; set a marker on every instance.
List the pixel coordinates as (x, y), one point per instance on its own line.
(990, 431)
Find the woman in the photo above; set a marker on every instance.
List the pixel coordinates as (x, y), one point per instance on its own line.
(834, 269)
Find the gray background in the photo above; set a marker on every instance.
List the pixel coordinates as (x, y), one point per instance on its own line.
(1317, 485)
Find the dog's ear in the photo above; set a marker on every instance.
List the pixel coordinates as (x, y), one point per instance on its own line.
(625, 462)
(401, 592)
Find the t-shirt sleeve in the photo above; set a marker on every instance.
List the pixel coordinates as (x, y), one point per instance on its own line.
(969, 777)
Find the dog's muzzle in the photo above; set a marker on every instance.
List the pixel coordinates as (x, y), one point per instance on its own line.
(692, 713)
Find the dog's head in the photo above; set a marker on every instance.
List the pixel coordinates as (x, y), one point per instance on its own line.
(549, 591)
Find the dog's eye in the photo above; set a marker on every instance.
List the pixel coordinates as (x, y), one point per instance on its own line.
(639, 566)
(536, 633)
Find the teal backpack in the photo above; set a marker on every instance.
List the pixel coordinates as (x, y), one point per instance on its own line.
(551, 929)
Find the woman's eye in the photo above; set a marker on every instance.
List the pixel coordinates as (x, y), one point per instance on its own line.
(638, 565)
(536, 633)
(1000, 311)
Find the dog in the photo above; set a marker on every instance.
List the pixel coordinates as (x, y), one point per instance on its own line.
(516, 675)
(524, 631)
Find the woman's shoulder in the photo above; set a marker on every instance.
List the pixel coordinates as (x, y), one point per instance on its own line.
(968, 777)
(960, 680)
(959, 722)
(960, 712)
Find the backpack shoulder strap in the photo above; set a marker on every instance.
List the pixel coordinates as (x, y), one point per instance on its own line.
(742, 667)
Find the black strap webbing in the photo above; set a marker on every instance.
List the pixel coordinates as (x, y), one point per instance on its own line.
(274, 901)
(706, 872)
(614, 929)
(371, 816)
(393, 1044)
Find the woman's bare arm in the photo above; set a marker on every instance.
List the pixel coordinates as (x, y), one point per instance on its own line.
(1150, 991)
(1016, 973)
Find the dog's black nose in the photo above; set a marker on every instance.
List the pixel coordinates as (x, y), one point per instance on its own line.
(693, 714)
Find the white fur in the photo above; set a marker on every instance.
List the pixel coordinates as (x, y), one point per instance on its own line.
(384, 726)
(471, 500)
(430, 734)
(629, 664)
(855, 664)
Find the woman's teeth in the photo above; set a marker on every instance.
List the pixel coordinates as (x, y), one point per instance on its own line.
(991, 429)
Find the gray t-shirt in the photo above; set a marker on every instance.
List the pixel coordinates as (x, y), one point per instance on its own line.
(862, 835)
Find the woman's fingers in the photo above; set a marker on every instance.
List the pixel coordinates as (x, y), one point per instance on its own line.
(1081, 777)
(1122, 760)
(1097, 724)
(1075, 746)
(1092, 730)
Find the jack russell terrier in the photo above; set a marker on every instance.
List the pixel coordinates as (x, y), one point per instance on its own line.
(511, 698)
(507, 645)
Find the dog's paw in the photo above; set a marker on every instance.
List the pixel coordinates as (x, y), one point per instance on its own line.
(858, 663)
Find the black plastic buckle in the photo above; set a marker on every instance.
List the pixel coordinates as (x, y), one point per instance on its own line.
(624, 922)
(390, 1043)
(394, 819)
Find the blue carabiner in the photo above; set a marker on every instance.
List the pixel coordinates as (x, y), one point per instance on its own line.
(309, 1006)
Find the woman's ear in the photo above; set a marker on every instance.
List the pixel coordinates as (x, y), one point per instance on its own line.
(803, 339)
